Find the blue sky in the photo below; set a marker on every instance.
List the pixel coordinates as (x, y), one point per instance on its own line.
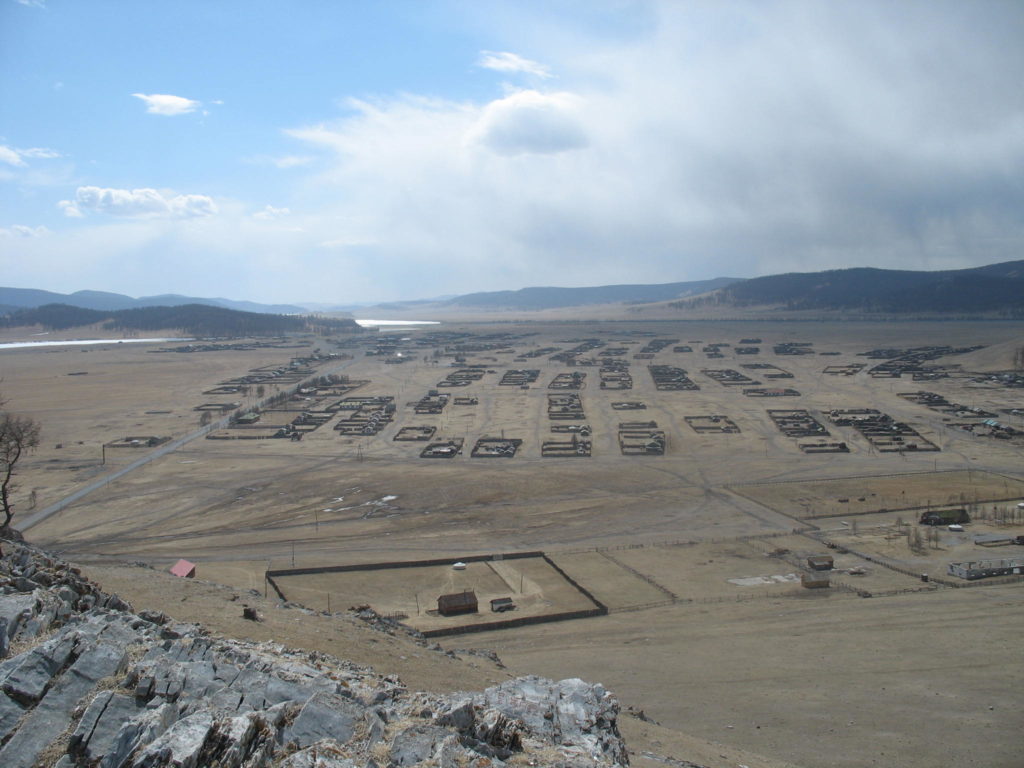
(363, 151)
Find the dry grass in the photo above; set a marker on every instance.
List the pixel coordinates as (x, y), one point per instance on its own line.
(829, 678)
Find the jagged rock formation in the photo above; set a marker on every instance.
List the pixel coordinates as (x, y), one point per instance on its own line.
(84, 681)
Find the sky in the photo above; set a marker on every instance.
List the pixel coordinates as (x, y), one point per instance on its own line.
(347, 151)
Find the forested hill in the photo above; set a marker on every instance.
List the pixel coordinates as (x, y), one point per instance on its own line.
(194, 319)
(992, 289)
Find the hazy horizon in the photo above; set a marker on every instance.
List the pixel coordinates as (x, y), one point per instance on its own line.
(359, 153)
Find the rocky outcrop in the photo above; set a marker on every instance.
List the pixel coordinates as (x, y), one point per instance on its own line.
(84, 681)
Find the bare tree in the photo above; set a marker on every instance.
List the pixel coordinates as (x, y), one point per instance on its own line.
(18, 435)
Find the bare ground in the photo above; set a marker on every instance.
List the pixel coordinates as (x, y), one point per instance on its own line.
(810, 678)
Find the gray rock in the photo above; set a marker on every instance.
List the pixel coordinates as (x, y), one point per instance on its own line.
(324, 715)
(28, 681)
(180, 745)
(154, 617)
(418, 743)
(144, 688)
(196, 700)
(78, 743)
(136, 733)
(10, 714)
(565, 712)
(460, 716)
(53, 714)
(15, 609)
(323, 754)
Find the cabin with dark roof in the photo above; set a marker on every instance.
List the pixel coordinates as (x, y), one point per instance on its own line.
(457, 603)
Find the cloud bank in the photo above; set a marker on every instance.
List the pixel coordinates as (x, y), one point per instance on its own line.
(711, 139)
(141, 203)
(725, 140)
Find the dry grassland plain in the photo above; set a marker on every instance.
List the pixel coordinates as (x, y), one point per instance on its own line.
(691, 551)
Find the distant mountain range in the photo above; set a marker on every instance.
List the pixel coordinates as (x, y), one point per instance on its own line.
(25, 298)
(200, 320)
(534, 299)
(992, 289)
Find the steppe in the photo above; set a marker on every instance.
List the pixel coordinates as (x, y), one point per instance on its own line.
(696, 553)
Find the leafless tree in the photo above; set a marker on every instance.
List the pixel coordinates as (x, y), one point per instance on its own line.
(18, 435)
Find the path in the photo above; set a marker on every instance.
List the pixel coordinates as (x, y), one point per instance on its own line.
(30, 521)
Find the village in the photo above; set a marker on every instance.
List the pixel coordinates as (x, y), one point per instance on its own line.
(591, 476)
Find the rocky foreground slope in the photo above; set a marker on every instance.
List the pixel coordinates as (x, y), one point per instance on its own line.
(85, 681)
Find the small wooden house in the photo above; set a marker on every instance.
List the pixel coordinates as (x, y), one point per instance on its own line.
(456, 603)
(814, 580)
(820, 562)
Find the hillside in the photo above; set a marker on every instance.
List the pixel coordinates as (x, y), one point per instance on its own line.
(195, 319)
(28, 298)
(996, 289)
(87, 680)
(545, 298)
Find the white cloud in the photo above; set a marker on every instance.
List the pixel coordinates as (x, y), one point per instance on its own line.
(32, 3)
(284, 162)
(166, 104)
(503, 61)
(39, 152)
(11, 157)
(19, 230)
(270, 212)
(291, 161)
(16, 157)
(70, 209)
(530, 122)
(342, 243)
(144, 203)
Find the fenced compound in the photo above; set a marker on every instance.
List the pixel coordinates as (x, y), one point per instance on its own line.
(594, 607)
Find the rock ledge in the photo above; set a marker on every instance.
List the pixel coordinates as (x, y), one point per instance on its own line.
(85, 681)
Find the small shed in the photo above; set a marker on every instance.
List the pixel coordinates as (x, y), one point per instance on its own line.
(184, 569)
(456, 603)
(502, 604)
(814, 580)
(820, 562)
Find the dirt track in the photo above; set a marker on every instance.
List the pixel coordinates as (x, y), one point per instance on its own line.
(802, 667)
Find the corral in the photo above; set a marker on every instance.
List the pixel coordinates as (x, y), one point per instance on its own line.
(495, 448)
(714, 424)
(797, 423)
(541, 591)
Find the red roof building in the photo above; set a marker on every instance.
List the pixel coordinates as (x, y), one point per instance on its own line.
(184, 569)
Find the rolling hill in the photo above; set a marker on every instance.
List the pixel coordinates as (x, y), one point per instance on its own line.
(27, 298)
(199, 320)
(995, 289)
